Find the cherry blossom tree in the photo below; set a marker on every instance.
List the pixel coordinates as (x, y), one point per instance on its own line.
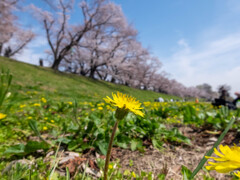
(13, 38)
(103, 47)
(63, 37)
(127, 62)
(18, 41)
(7, 19)
(205, 91)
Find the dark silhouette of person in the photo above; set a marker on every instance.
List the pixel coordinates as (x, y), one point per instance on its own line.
(40, 62)
(223, 96)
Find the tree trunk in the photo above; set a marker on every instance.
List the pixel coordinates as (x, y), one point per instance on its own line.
(92, 72)
(1, 47)
(56, 64)
(113, 80)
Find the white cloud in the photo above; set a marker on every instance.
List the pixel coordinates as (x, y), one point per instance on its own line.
(215, 62)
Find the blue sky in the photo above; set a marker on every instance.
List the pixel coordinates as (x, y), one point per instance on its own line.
(196, 41)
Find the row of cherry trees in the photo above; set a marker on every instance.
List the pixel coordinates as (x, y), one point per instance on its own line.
(101, 44)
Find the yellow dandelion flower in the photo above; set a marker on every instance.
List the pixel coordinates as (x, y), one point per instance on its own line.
(124, 104)
(70, 103)
(100, 108)
(2, 116)
(43, 100)
(46, 118)
(45, 128)
(133, 174)
(237, 174)
(228, 159)
(22, 105)
(36, 104)
(110, 166)
(52, 121)
(147, 104)
(29, 117)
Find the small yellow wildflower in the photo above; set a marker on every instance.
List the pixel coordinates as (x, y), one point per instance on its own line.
(124, 104)
(147, 104)
(133, 174)
(45, 128)
(2, 116)
(100, 104)
(92, 109)
(22, 105)
(29, 117)
(228, 159)
(43, 100)
(46, 118)
(110, 166)
(36, 104)
(70, 103)
(52, 121)
(100, 108)
(237, 174)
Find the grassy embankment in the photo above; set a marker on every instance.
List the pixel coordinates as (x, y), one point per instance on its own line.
(59, 85)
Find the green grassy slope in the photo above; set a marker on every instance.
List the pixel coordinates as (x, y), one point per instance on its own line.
(65, 86)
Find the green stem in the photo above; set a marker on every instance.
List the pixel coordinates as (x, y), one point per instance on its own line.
(202, 162)
(110, 149)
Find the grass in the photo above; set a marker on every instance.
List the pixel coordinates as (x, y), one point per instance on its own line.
(39, 116)
(64, 86)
